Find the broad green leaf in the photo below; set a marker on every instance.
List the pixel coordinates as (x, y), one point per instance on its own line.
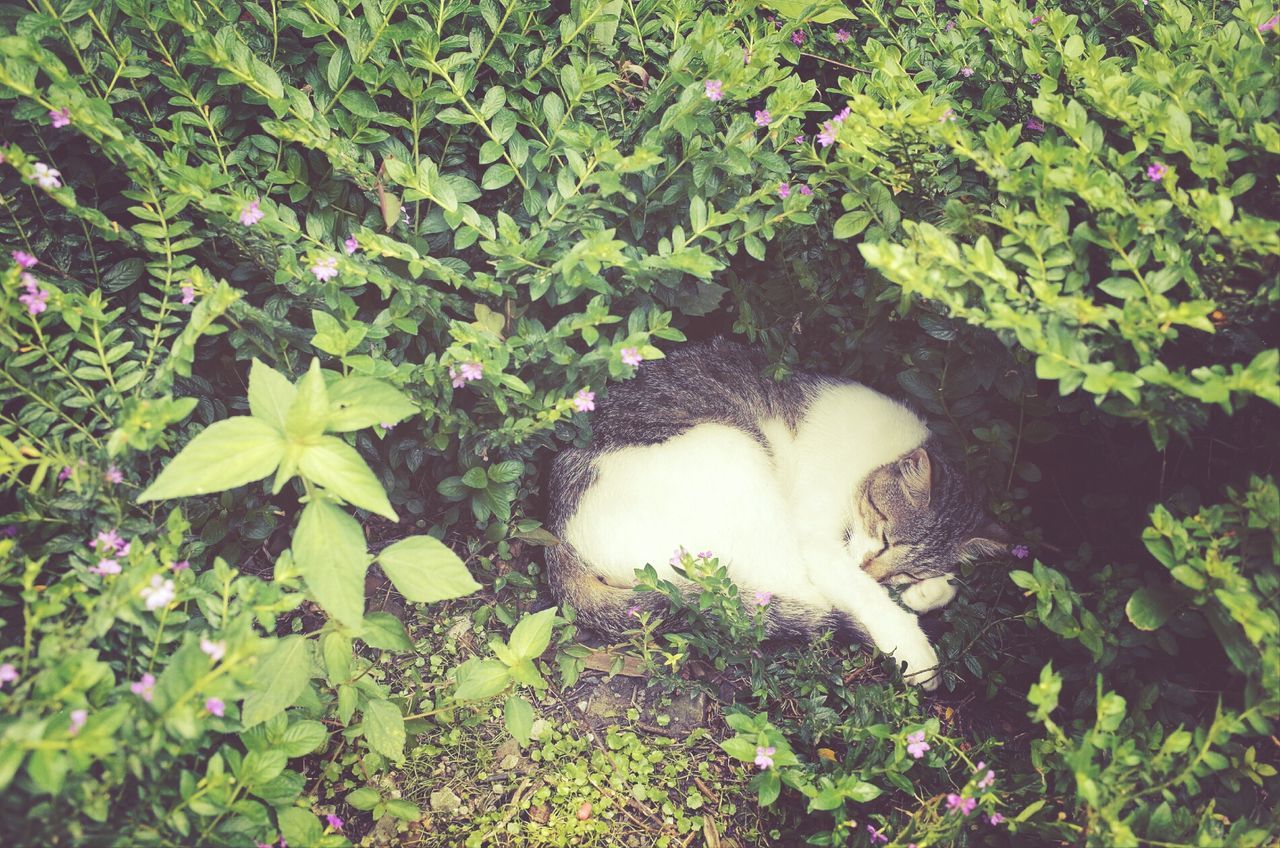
(338, 467)
(404, 810)
(384, 729)
(303, 737)
(270, 395)
(259, 767)
(308, 414)
(224, 455)
(518, 715)
(300, 827)
(532, 635)
(364, 798)
(1149, 608)
(424, 570)
(359, 402)
(329, 550)
(383, 630)
(479, 679)
(280, 678)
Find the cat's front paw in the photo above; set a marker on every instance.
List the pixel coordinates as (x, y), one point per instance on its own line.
(930, 594)
(921, 660)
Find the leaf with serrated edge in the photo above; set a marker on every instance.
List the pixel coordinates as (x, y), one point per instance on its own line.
(270, 394)
(329, 550)
(384, 729)
(338, 467)
(224, 455)
(279, 680)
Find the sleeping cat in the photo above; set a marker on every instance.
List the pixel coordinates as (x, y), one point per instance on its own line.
(815, 489)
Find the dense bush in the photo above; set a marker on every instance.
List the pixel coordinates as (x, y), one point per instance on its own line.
(387, 254)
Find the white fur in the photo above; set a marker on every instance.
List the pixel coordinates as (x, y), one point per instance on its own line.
(774, 516)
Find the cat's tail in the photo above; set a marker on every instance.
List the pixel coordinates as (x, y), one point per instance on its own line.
(608, 610)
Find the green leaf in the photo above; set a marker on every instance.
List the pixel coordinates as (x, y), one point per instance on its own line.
(303, 737)
(338, 467)
(359, 402)
(364, 798)
(280, 678)
(851, 223)
(768, 786)
(300, 827)
(329, 550)
(309, 412)
(424, 570)
(223, 456)
(532, 635)
(1150, 607)
(384, 729)
(404, 810)
(384, 631)
(270, 395)
(518, 715)
(740, 748)
(479, 679)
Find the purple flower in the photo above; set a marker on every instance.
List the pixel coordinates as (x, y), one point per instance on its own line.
(764, 756)
(26, 260)
(180, 565)
(215, 650)
(876, 835)
(188, 295)
(805, 190)
(633, 611)
(987, 779)
(714, 89)
(65, 474)
(584, 401)
(966, 71)
(948, 115)
(78, 718)
(842, 114)
(351, 245)
(251, 214)
(842, 35)
(216, 707)
(110, 540)
(59, 118)
(784, 190)
(950, 25)
(145, 687)
(763, 598)
(334, 821)
(828, 135)
(705, 554)
(631, 356)
(678, 556)
(387, 425)
(1020, 551)
(797, 37)
(105, 567)
(8, 673)
(916, 746)
(995, 818)
(326, 268)
(960, 803)
(159, 594)
(113, 475)
(35, 297)
(763, 118)
(1037, 19)
(46, 177)
(1035, 125)
(800, 139)
(1268, 26)
(1156, 171)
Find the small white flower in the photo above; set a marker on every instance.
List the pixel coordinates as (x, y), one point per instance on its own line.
(159, 594)
(215, 650)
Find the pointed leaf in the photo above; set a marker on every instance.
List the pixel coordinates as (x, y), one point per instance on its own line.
(329, 550)
(270, 394)
(384, 729)
(224, 455)
(359, 402)
(424, 570)
(337, 466)
(279, 680)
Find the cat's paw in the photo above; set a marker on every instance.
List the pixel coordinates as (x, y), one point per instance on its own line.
(913, 648)
(930, 594)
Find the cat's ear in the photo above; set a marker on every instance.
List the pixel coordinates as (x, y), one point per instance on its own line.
(991, 541)
(916, 477)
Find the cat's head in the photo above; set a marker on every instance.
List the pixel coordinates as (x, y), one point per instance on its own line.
(924, 519)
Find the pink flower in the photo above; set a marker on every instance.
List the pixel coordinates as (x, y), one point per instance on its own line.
(387, 425)
(763, 118)
(159, 594)
(326, 268)
(26, 260)
(784, 191)
(59, 118)
(797, 37)
(65, 474)
(181, 565)
(631, 356)
(251, 214)
(764, 756)
(678, 556)
(113, 475)
(828, 135)
(144, 687)
(110, 540)
(714, 89)
(351, 245)
(35, 298)
(1155, 173)
(842, 35)
(216, 707)
(800, 139)
(842, 114)
(105, 567)
(805, 190)
(995, 818)
(1269, 25)
(950, 25)
(46, 177)
(966, 71)
(1037, 19)
(763, 598)
(706, 554)
(633, 611)
(960, 803)
(987, 779)
(334, 821)
(1020, 551)
(215, 650)
(948, 115)
(876, 835)
(916, 746)
(467, 372)
(188, 295)
(78, 718)
(1035, 124)
(584, 401)
(8, 674)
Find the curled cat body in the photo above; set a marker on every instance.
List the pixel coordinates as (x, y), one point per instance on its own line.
(817, 490)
